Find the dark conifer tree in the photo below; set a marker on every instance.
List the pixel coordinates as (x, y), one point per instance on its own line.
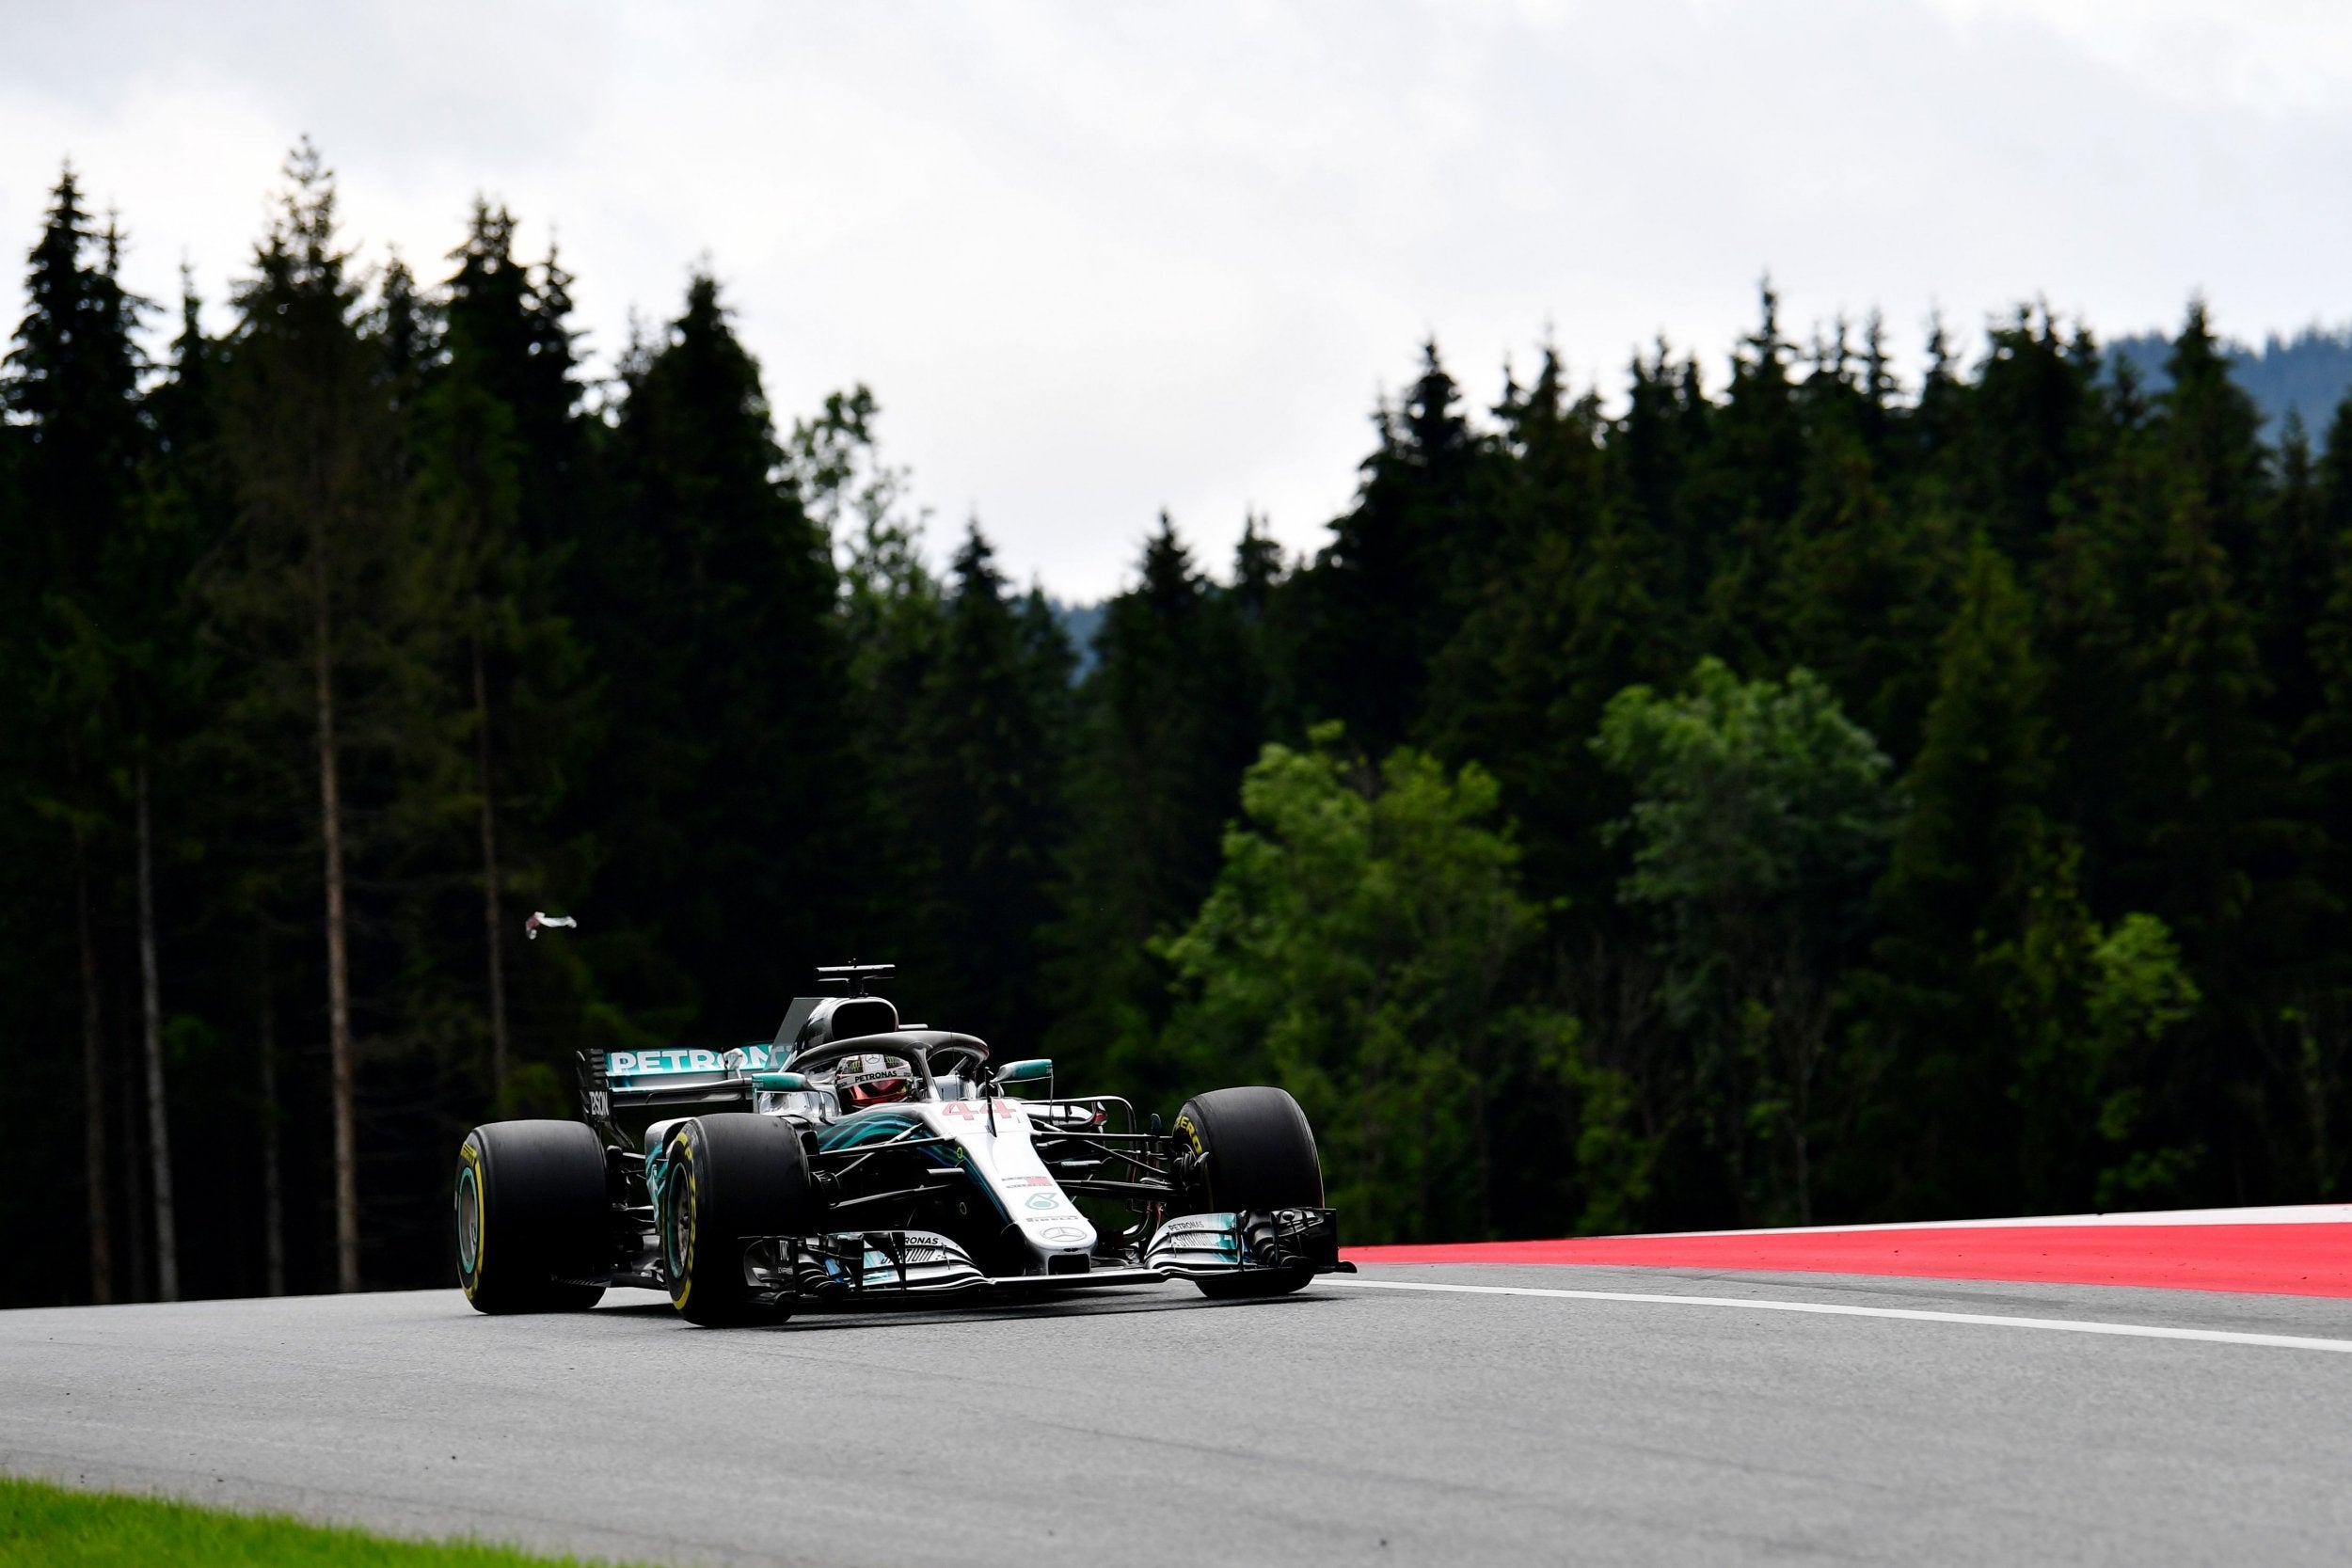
(2210, 432)
(1936, 428)
(983, 804)
(1656, 447)
(1937, 1132)
(1578, 607)
(1403, 566)
(2322, 1015)
(1744, 489)
(2324, 740)
(2221, 835)
(2288, 580)
(2220, 852)
(487, 468)
(1269, 615)
(207, 888)
(327, 625)
(145, 631)
(511, 323)
(70, 387)
(2032, 431)
(709, 601)
(1860, 590)
(1169, 721)
(406, 336)
(2091, 604)
(72, 380)
(184, 409)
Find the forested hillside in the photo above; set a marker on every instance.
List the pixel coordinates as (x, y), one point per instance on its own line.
(1775, 796)
(2302, 377)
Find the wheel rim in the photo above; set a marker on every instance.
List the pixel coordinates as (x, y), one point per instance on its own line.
(468, 1222)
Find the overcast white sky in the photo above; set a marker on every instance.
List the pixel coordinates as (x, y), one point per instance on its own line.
(1096, 260)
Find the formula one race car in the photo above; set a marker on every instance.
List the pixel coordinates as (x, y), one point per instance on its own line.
(855, 1160)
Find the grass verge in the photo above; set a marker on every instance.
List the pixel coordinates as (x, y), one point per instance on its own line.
(49, 1527)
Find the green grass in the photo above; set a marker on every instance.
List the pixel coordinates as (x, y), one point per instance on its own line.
(48, 1526)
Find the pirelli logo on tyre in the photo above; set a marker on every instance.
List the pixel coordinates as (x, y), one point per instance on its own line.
(472, 1216)
(683, 1219)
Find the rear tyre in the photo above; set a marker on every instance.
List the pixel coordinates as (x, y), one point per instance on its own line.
(533, 1223)
(731, 1174)
(1252, 1149)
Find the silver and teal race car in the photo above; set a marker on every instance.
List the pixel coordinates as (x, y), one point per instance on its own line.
(858, 1161)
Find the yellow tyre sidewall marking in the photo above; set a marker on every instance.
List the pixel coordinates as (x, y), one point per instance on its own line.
(686, 1250)
(1190, 1133)
(471, 1155)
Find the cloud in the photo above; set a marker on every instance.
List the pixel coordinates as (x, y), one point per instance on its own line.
(1099, 260)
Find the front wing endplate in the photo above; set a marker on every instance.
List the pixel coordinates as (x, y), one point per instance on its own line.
(1201, 1246)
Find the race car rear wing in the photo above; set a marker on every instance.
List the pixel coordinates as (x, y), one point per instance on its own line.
(674, 1082)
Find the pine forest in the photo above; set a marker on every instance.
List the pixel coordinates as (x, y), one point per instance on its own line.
(1755, 789)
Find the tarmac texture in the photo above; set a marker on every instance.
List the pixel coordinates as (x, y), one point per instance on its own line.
(1342, 1425)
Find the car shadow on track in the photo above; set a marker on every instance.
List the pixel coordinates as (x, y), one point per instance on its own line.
(828, 1319)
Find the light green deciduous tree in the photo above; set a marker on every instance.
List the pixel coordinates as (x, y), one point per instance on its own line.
(1761, 814)
(1355, 950)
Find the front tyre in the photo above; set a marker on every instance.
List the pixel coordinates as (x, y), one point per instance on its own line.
(731, 1174)
(1251, 1149)
(533, 1223)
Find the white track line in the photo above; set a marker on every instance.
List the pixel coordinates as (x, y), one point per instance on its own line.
(1837, 1309)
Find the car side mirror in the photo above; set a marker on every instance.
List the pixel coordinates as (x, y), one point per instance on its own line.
(773, 1081)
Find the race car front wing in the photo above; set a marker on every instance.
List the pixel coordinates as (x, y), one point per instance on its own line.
(861, 1265)
(1195, 1246)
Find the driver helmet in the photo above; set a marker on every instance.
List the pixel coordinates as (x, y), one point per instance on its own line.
(871, 1079)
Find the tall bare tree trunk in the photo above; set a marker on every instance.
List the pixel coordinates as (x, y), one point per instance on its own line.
(337, 952)
(273, 1181)
(100, 1224)
(135, 1209)
(152, 1037)
(490, 919)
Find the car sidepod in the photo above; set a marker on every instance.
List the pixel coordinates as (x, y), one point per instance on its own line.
(983, 1149)
(1006, 1223)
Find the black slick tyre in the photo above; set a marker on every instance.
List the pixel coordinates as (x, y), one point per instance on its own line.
(1252, 1149)
(533, 1223)
(730, 1175)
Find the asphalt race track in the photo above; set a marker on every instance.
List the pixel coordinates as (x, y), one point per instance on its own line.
(1354, 1423)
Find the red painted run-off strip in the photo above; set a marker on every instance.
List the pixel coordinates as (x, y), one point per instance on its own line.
(2268, 1259)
